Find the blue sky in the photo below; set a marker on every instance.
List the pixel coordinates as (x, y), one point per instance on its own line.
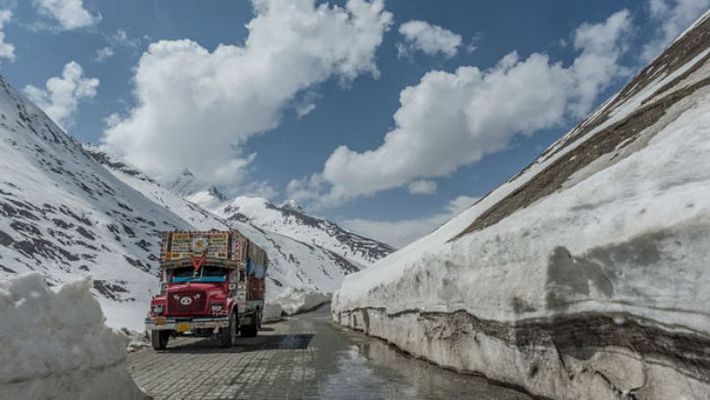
(299, 82)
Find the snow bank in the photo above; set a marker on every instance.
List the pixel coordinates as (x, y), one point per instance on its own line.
(294, 301)
(636, 219)
(272, 313)
(55, 345)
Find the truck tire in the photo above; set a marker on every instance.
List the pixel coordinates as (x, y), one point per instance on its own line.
(251, 329)
(159, 339)
(227, 335)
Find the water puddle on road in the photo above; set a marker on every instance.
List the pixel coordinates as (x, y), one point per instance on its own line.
(375, 370)
(354, 378)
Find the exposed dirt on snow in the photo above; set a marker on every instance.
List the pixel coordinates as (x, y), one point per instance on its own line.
(585, 355)
(615, 137)
(578, 335)
(674, 58)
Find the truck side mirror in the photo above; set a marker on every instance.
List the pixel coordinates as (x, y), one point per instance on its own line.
(163, 275)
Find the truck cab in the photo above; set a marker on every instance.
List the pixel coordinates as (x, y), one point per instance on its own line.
(204, 295)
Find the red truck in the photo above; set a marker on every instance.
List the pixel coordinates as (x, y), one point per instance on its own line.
(211, 283)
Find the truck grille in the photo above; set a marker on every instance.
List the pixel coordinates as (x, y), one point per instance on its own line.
(186, 302)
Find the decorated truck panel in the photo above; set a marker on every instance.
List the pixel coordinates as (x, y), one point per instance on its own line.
(212, 283)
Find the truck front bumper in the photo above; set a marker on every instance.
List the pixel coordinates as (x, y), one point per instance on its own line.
(185, 324)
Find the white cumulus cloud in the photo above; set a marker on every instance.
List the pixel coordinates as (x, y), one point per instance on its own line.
(672, 18)
(427, 38)
(401, 233)
(200, 107)
(121, 38)
(103, 54)
(452, 119)
(7, 50)
(422, 187)
(70, 14)
(61, 96)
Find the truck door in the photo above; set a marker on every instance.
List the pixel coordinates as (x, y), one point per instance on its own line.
(233, 280)
(241, 288)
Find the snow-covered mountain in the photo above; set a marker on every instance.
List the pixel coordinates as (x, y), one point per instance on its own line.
(186, 185)
(347, 250)
(585, 276)
(67, 211)
(290, 220)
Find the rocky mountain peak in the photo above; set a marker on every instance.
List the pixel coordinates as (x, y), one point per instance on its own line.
(292, 205)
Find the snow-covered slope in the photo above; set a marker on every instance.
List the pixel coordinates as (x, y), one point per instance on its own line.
(290, 220)
(65, 215)
(62, 214)
(586, 275)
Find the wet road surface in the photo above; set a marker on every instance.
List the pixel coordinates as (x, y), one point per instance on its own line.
(304, 357)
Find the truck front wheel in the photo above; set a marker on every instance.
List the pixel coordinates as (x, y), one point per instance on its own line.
(227, 334)
(251, 329)
(159, 339)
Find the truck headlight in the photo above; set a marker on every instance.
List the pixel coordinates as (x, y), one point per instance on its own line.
(157, 308)
(217, 308)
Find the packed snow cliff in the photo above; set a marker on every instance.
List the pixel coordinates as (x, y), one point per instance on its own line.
(55, 344)
(585, 276)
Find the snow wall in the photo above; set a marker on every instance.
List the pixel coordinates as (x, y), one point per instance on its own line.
(594, 286)
(299, 300)
(56, 345)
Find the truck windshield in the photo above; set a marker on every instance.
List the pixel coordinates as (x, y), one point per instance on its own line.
(206, 274)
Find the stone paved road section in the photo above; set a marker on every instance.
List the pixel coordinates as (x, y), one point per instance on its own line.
(304, 357)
